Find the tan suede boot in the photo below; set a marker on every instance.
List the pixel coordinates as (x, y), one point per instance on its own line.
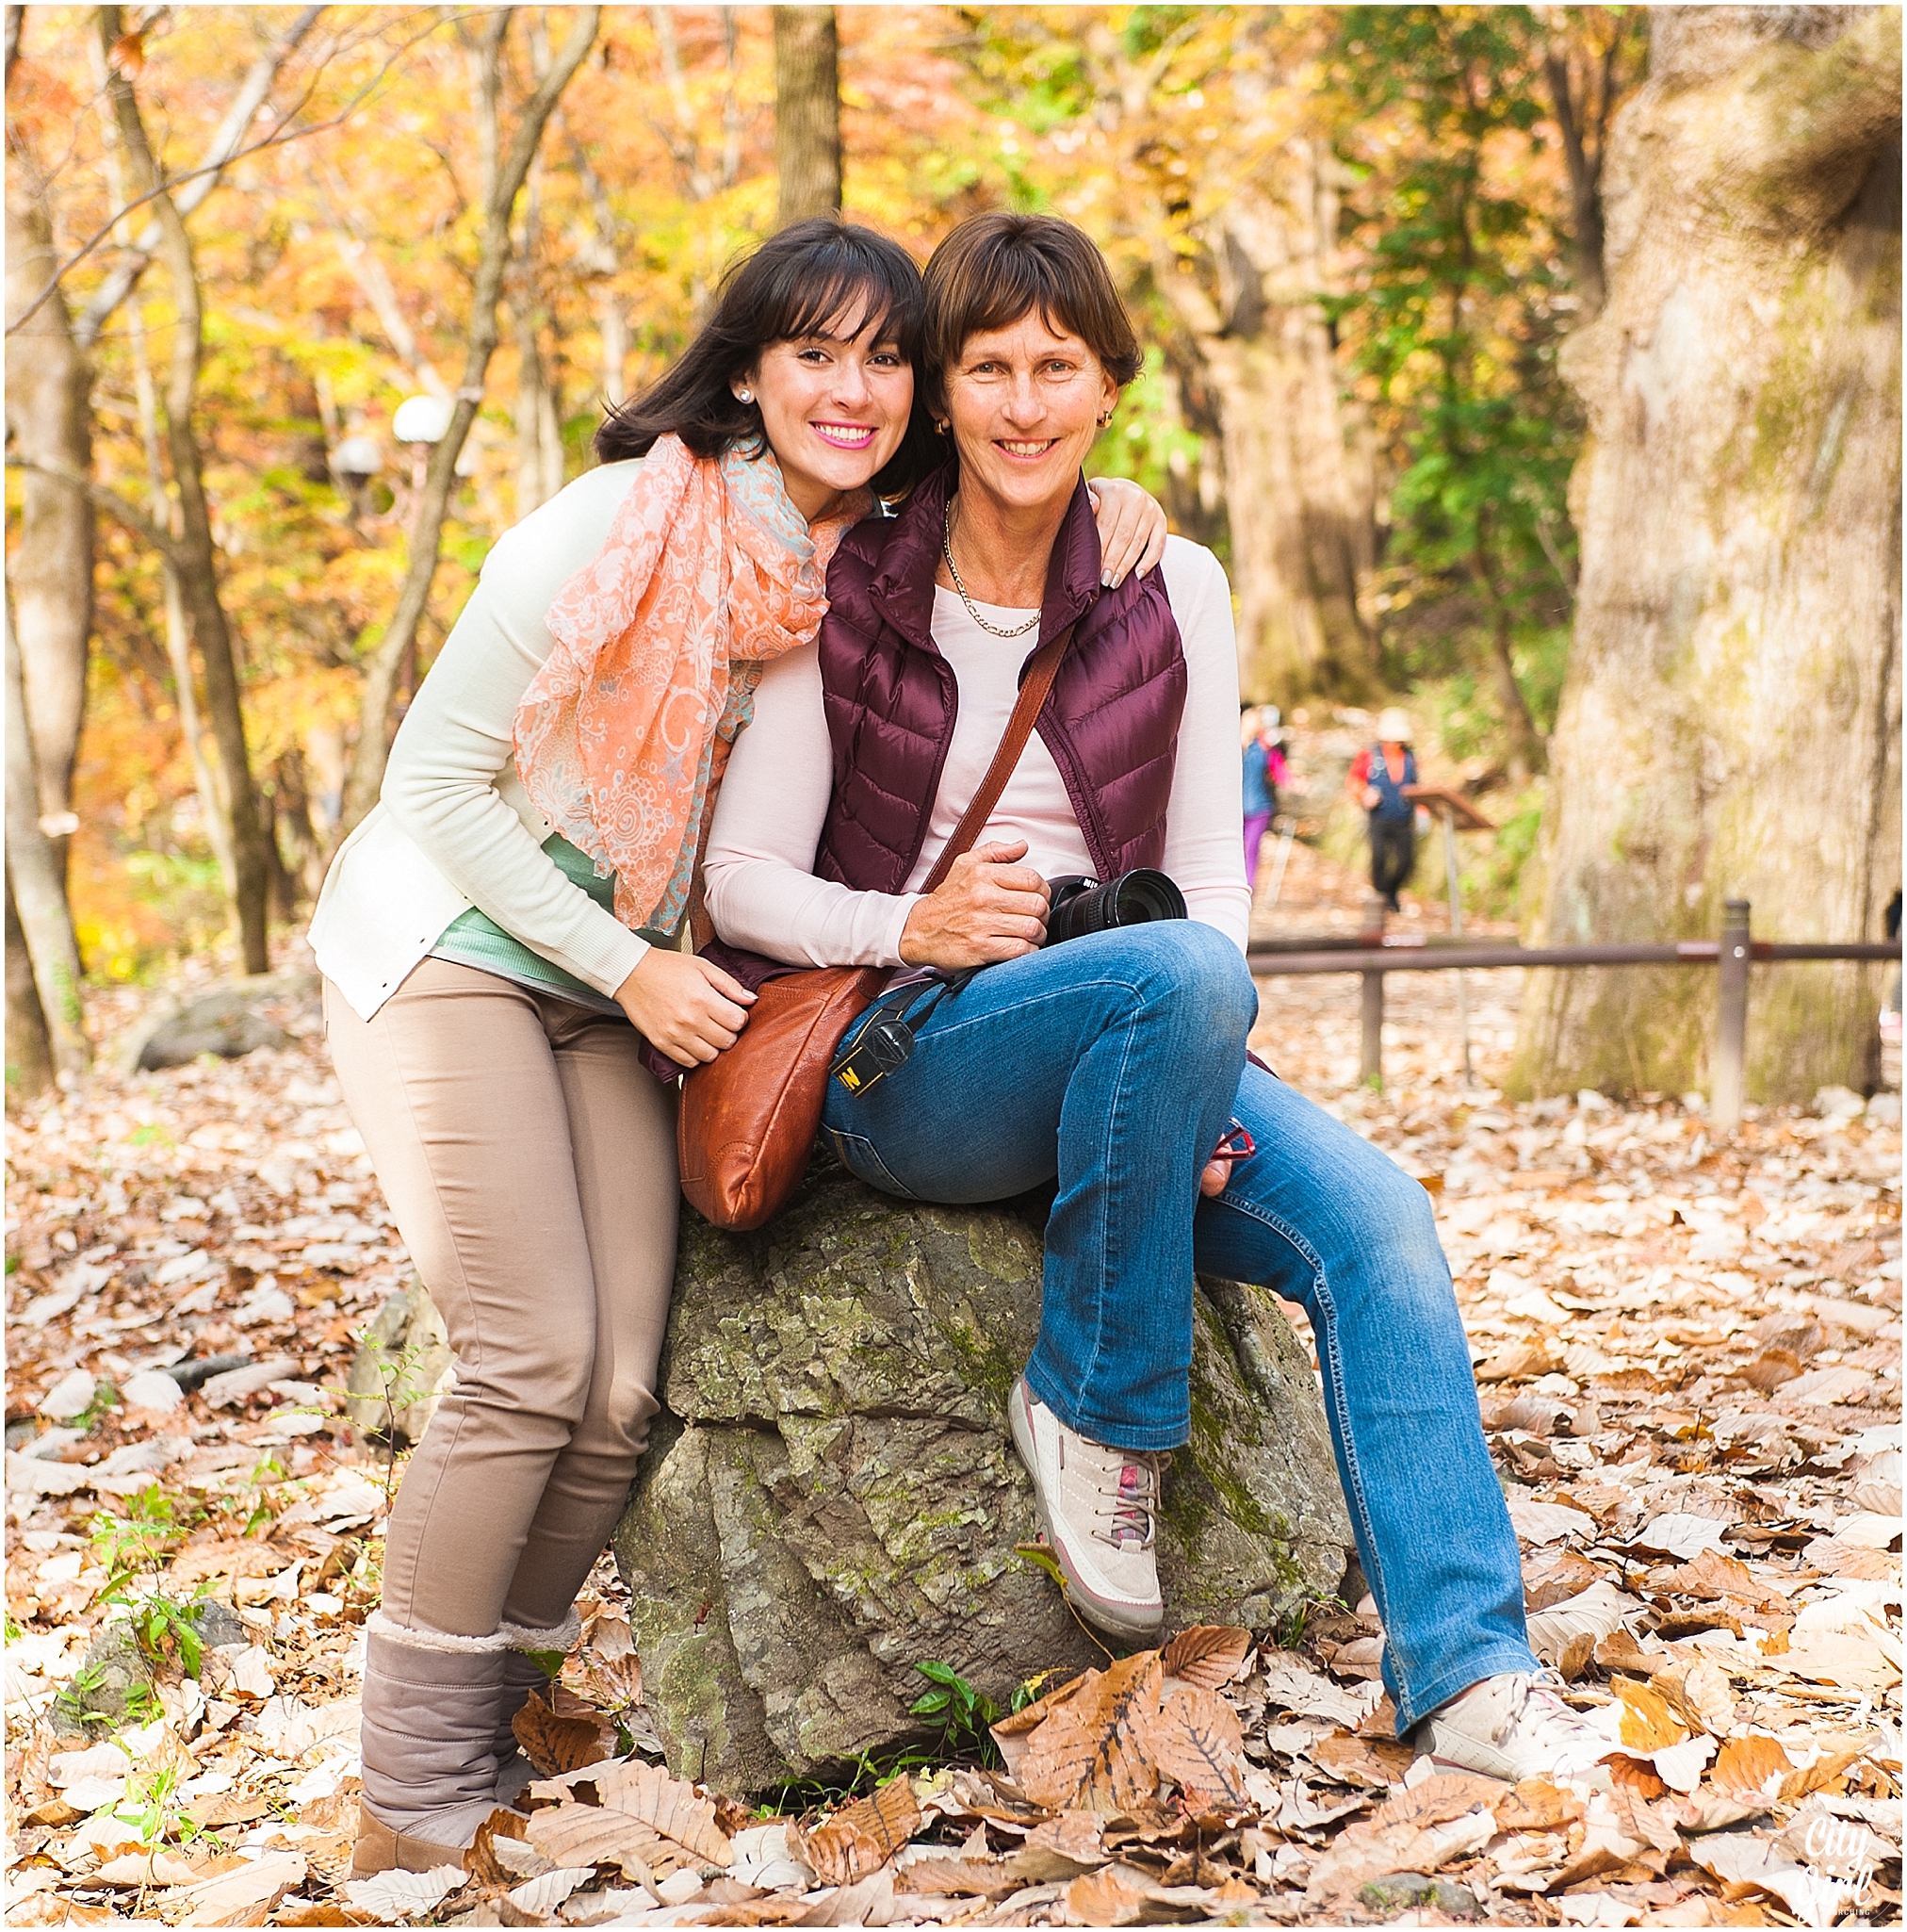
(378, 1848)
(427, 1736)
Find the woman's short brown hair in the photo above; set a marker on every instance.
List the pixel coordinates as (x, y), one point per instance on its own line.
(994, 269)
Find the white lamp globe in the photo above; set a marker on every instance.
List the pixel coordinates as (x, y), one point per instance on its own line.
(421, 420)
(357, 457)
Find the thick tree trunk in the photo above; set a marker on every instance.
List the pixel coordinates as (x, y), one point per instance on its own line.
(29, 1052)
(34, 884)
(1730, 723)
(194, 553)
(807, 113)
(1300, 490)
(504, 181)
(49, 572)
(213, 809)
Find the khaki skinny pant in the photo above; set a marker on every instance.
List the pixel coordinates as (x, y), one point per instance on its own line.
(528, 1158)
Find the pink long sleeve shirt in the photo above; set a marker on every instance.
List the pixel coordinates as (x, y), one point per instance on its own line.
(761, 892)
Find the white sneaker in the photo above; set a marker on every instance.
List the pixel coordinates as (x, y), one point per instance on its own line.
(1098, 1508)
(1512, 1727)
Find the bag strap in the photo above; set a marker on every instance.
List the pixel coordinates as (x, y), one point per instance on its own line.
(1040, 671)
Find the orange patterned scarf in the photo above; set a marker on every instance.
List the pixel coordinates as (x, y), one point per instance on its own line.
(708, 573)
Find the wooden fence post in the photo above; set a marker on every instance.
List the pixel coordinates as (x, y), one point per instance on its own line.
(1371, 1059)
(1731, 1017)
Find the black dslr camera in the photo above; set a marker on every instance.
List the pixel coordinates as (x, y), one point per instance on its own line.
(1076, 906)
(1079, 905)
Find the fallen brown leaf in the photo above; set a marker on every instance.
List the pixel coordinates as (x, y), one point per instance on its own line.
(1363, 1852)
(1437, 1798)
(1770, 1368)
(1634, 1774)
(1711, 1574)
(1745, 1765)
(865, 1836)
(481, 1860)
(1117, 1896)
(1827, 1767)
(556, 1744)
(1537, 1805)
(1698, 1692)
(1556, 1576)
(645, 1821)
(1523, 1363)
(1375, 1763)
(1648, 1723)
(1207, 1655)
(1086, 1752)
(1620, 1650)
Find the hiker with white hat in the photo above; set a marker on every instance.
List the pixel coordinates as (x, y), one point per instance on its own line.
(1377, 778)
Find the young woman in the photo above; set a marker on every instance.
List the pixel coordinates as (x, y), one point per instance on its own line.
(1112, 1064)
(499, 945)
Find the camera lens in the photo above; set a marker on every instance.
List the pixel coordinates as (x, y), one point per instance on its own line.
(1079, 905)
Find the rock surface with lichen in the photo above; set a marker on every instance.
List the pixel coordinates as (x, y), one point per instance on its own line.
(831, 1495)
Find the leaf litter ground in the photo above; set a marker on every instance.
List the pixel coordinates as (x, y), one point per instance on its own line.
(1688, 1356)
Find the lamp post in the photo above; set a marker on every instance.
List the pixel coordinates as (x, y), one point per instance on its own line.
(354, 462)
(421, 421)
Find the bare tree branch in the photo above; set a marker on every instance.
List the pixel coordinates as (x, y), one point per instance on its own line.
(278, 137)
(104, 497)
(224, 145)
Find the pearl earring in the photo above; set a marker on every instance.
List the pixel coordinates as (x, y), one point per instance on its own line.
(745, 395)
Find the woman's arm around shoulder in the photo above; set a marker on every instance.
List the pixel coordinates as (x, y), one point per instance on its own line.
(1204, 845)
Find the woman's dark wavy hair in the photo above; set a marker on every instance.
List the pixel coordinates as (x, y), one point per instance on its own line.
(797, 283)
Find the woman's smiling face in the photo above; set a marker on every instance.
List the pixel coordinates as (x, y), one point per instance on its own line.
(1024, 403)
(835, 408)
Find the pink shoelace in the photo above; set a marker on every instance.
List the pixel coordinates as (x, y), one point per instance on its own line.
(1133, 1515)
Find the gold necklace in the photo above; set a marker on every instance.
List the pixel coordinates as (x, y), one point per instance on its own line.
(953, 571)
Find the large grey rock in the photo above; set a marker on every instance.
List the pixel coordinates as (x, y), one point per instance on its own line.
(117, 1679)
(402, 1369)
(831, 1495)
(228, 1023)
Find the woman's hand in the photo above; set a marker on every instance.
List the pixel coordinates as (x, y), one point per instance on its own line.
(1132, 529)
(1215, 1179)
(688, 1008)
(987, 909)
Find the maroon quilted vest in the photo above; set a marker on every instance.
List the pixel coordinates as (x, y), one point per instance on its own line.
(1111, 722)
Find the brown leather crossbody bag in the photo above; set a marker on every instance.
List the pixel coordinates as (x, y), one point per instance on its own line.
(749, 1117)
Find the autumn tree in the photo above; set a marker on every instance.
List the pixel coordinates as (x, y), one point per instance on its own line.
(807, 113)
(1188, 141)
(1461, 301)
(1730, 723)
(506, 165)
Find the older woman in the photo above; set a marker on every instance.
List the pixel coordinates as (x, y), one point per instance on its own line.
(1115, 1064)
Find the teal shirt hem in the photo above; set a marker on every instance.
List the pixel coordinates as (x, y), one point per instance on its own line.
(473, 938)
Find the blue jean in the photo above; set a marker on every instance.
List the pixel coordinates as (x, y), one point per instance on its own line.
(1110, 1064)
